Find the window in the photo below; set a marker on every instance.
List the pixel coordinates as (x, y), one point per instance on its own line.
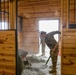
(3, 26)
(49, 26)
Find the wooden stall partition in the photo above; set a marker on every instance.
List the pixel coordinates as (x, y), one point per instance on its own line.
(69, 53)
(7, 52)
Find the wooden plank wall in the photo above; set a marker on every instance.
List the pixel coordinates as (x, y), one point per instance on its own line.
(19, 35)
(7, 53)
(72, 10)
(65, 12)
(32, 11)
(69, 53)
(12, 16)
(19, 40)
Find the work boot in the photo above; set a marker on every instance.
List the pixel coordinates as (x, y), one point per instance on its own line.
(50, 66)
(52, 71)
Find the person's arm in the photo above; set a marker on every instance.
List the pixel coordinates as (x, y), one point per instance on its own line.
(55, 32)
(52, 51)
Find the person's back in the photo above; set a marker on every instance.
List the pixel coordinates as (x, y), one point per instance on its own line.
(50, 40)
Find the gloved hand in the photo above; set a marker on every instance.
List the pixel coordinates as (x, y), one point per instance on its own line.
(51, 52)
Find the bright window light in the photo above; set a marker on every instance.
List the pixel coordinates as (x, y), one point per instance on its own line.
(49, 26)
(3, 26)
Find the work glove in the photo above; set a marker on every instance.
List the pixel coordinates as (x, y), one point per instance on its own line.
(51, 52)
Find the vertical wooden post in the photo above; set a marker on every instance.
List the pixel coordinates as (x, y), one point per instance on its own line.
(12, 16)
(62, 6)
(0, 14)
(67, 14)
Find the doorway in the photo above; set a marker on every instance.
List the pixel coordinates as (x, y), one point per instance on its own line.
(48, 26)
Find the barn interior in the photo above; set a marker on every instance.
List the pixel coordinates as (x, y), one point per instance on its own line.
(21, 22)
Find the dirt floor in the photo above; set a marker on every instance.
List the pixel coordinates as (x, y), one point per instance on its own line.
(37, 63)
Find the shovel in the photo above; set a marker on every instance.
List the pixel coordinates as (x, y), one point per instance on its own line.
(45, 66)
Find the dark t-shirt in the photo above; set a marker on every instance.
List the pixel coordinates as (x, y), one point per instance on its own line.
(50, 40)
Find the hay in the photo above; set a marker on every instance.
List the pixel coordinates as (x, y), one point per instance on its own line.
(35, 59)
(22, 52)
(32, 71)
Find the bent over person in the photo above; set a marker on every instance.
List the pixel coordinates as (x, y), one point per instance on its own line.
(51, 43)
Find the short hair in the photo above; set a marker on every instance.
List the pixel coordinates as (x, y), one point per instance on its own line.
(42, 32)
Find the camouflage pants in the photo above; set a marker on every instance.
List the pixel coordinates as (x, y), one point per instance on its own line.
(54, 56)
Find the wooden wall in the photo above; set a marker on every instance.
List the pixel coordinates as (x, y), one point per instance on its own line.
(19, 34)
(7, 52)
(67, 13)
(8, 42)
(68, 51)
(19, 40)
(32, 11)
